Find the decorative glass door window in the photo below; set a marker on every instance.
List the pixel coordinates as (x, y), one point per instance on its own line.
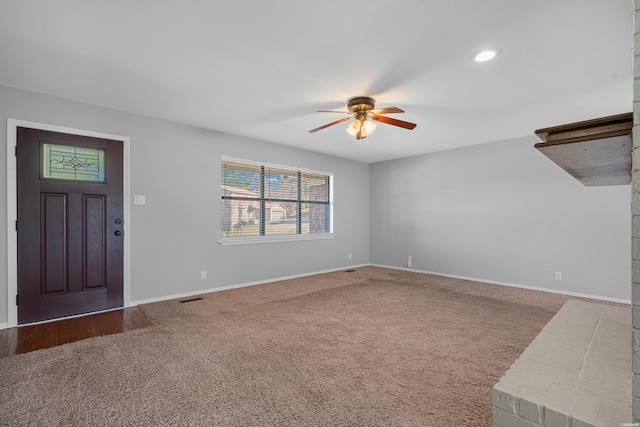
(72, 163)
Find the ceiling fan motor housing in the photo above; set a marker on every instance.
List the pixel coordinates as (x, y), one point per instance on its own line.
(361, 104)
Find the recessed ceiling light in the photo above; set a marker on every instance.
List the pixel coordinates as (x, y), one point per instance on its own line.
(485, 55)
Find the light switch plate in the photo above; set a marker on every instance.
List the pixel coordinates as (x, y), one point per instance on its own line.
(139, 200)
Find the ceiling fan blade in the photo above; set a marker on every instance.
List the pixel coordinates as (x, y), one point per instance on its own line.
(395, 122)
(330, 124)
(387, 110)
(333, 111)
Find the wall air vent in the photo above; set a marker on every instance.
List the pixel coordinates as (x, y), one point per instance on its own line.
(190, 300)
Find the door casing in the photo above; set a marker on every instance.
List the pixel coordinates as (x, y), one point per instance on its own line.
(12, 208)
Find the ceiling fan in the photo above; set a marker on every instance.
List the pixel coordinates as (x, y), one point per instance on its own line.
(362, 108)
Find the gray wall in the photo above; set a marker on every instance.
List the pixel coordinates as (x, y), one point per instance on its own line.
(501, 212)
(177, 167)
(498, 212)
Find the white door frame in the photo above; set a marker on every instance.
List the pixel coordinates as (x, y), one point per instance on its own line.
(12, 207)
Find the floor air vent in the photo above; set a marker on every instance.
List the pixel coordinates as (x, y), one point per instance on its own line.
(190, 300)
(349, 271)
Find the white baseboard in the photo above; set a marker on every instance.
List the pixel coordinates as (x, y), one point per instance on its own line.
(296, 276)
(513, 285)
(239, 285)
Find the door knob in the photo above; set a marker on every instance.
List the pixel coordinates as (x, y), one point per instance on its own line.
(118, 233)
(118, 221)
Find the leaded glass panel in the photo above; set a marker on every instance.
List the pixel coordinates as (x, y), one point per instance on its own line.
(72, 163)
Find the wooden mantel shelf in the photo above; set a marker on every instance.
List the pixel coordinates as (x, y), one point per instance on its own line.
(595, 152)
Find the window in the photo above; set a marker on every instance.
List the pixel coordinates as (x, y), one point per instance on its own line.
(263, 202)
(72, 163)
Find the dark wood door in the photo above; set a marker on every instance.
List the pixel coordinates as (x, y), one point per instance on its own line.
(70, 224)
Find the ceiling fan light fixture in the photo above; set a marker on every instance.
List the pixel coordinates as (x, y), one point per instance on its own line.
(360, 127)
(369, 126)
(353, 128)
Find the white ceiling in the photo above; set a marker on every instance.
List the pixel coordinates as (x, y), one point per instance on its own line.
(262, 69)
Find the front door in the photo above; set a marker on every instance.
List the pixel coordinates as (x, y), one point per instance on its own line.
(70, 224)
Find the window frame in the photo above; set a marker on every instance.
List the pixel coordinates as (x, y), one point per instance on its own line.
(243, 240)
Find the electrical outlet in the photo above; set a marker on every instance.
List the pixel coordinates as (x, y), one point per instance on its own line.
(558, 275)
(203, 275)
(409, 259)
(349, 256)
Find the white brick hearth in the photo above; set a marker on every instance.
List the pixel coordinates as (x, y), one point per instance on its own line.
(575, 373)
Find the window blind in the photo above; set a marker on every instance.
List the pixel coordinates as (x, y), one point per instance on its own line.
(274, 200)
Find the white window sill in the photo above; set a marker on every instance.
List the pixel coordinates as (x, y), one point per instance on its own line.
(273, 239)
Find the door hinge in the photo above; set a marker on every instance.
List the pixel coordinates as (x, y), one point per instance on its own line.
(16, 299)
(16, 225)
(16, 151)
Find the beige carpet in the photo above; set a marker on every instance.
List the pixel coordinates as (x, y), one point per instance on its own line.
(374, 347)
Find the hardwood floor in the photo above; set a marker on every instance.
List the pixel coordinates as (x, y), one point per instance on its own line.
(28, 338)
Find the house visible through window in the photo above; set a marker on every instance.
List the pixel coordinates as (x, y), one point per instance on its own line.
(262, 200)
